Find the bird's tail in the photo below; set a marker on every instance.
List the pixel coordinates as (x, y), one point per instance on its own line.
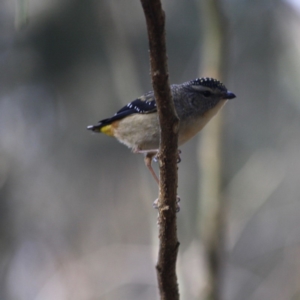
(95, 128)
(103, 128)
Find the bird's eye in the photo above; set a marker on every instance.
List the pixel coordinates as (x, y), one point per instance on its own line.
(206, 93)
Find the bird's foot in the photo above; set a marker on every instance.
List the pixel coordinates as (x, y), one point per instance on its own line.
(155, 204)
(178, 156)
(177, 204)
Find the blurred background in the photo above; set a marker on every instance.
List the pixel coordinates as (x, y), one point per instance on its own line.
(76, 217)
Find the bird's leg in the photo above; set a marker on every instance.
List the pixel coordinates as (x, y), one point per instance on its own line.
(148, 160)
(148, 163)
(155, 203)
(153, 154)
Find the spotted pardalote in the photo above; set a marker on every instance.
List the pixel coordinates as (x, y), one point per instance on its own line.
(136, 124)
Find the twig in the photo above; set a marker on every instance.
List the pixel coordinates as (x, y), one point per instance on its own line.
(168, 242)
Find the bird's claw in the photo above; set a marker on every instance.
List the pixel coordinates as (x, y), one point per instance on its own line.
(177, 204)
(155, 204)
(178, 156)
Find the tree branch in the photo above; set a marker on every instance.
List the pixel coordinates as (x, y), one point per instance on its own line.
(168, 120)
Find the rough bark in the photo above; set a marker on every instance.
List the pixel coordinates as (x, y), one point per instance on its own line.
(168, 242)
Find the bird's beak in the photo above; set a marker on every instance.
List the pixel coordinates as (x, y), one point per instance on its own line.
(229, 95)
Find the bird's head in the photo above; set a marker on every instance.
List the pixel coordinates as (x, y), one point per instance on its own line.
(203, 94)
(210, 88)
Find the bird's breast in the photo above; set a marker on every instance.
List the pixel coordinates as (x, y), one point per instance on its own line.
(191, 126)
(138, 131)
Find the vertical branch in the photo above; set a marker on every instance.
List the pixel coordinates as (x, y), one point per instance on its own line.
(211, 206)
(168, 242)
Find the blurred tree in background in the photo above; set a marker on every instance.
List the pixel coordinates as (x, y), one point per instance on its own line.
(76, 208)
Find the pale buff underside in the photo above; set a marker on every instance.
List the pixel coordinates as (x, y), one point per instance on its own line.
(141, 131)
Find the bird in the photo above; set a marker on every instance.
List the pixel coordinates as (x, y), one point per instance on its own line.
(137, 126)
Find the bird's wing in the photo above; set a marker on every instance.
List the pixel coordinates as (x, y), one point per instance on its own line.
(143, 105)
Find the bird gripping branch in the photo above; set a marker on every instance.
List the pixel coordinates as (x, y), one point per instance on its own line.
(136, 124)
